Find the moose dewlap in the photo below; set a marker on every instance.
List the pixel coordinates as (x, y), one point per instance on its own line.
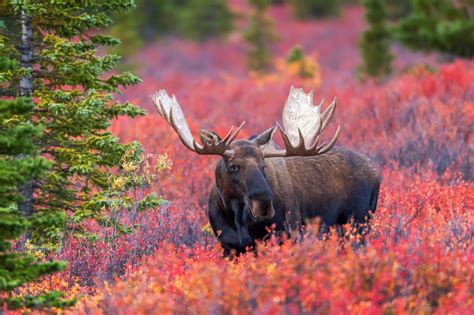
(258, 185)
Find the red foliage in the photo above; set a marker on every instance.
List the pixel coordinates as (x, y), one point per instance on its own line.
(417, 126)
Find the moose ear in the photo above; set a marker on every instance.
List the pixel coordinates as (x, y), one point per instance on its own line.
(265, 137)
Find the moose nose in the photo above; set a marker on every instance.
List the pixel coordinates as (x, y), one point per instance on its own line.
(262, 209)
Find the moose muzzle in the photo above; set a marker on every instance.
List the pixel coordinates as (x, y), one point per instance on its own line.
(261, 209)
(259, 196)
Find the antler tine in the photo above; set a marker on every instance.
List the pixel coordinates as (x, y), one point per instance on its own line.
(157, 104)
(220, 148)
(331, 143)
(227, 136)
(329, 112)
(301, 145)
(315, 143)
(285, 137)
(231, 139)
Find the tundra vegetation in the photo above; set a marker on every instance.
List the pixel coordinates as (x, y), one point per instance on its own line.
(416, 125)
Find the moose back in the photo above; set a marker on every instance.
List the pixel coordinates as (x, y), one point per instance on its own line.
(258, 185)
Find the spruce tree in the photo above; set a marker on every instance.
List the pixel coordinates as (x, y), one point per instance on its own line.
(397, 9)
(444, 26)
(150, 20)
(259, 35)
(307, 9)
(375, 42)
(201, 20)
(18, 163)
(73, 90)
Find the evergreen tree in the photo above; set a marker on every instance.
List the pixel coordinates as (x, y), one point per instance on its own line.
(160, 16)
(259, 35)
(151, 19)
(397, 9)
(18, 163)
(73, 101)
(306, 9)
(204, 19)
(444, 26)
(375, 42)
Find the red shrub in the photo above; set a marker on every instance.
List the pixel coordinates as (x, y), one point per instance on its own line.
(417, 126)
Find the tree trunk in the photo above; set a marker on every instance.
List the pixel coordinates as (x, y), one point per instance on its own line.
(26, 89)
(26, 83)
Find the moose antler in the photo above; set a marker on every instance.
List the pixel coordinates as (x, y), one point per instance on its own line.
(171, 111)
(303, 125)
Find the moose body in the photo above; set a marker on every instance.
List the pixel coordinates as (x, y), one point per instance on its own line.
(260, 186)
(334, 187)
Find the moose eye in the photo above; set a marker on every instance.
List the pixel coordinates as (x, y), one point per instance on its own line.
(234, 167)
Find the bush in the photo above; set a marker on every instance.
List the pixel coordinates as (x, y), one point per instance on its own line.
(305, 69)
(397, 9)
(306, 9)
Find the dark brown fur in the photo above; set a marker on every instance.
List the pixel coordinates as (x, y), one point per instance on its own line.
(286, 192)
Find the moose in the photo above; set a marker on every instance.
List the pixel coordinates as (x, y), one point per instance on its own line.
(259, 185)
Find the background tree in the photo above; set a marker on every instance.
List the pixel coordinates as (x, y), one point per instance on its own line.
(204, 19)
(151, 20)
(259, 35)
(444, 26)
(397, 9)
(157, 17)
(305, 9)
(18, 163)
(73, 94)
(375, 42)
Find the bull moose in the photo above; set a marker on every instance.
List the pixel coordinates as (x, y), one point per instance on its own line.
(258, 184)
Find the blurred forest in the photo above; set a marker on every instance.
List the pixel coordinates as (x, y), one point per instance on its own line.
(430, 25)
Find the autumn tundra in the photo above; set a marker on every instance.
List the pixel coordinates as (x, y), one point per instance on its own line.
(259, 186)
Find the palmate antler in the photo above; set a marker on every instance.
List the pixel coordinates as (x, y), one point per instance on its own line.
(170, 110)
(303, 125)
